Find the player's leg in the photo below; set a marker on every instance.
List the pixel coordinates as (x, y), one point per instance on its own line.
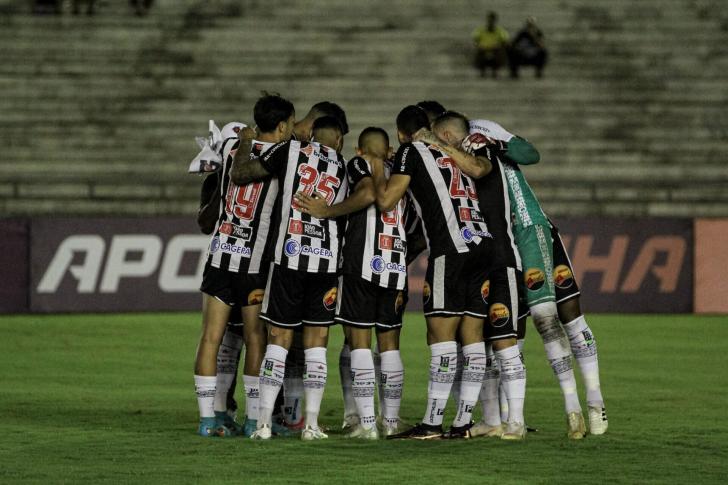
(228, 356)
(391, 373)
(535, 245)
(293, 384)
(581, 338)
(319, 307)
(351, 416)
(280, 309)
(215, 315)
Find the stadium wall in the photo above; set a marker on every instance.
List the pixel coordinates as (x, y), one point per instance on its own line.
(668, 265)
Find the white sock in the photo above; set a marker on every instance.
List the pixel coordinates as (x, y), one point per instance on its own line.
(490, 389)
(378, 374)
(502, 398)
(314, 382)
(558, 352)
(272, 371)
(584, 347)
(293, 386)
(457, 382)
(228, 356)
(205, 390)
(362, 368)
(513, 377)
(346, 382)
(472, 381)
(443, 362)
(392, 379)
(252, 396)
(521, 342)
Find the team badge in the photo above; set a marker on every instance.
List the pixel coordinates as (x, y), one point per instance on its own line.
(330, 298)
(485, 290)
(563, 277)
(255, 297)
(499, 315)
(426, 292)
(292, 248)
(534, 279)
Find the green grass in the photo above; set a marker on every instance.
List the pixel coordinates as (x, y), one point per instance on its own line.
(109, 398)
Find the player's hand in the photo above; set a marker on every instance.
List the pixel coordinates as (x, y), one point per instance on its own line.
(313, 204)
(247, 134)
(426, 136)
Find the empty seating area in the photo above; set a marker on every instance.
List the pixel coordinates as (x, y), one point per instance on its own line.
(98, 113)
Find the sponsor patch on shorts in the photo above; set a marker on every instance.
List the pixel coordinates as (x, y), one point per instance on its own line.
(534, 279)
(499, 315)
(563, 277)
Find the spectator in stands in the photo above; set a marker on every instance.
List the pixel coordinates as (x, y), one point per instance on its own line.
(141, 7)
(491, 42)
(528, 49)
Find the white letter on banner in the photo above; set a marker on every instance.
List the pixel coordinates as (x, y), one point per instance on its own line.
(86, 273)
(116, 265)
(170, 280)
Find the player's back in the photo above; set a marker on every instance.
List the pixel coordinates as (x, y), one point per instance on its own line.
(444, 197)
(300, 241)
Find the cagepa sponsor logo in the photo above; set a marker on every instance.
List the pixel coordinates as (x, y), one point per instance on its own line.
(469, 234)
(378, 265)
(294, 248)
(214, 245)
(232, 249)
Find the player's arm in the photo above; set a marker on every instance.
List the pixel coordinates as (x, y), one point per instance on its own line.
(209, 204)
(476, 166)
(388, 191)
(244, 168)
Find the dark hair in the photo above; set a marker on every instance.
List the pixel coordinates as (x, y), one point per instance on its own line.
(449, 116)
(411, 119)
(432, 108)
(372, 131)
(271, 109)
(327, 108)
(326, 122)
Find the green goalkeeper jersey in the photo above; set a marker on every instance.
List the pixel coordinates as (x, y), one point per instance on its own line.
(524, 205)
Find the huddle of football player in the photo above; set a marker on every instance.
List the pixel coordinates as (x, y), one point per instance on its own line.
(303, 239)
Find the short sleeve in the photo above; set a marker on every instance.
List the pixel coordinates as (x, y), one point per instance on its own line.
(274, 159)
(406, 160)
(357, 169)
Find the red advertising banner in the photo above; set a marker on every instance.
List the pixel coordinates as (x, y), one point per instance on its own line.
(14, 272)
(150, 264)
(711, 263)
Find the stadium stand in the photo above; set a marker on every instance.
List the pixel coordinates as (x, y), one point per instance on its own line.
(99, 113)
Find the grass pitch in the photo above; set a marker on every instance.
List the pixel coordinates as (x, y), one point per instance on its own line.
(109, 399)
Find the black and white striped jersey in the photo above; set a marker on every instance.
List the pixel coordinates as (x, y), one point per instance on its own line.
(300, 241)
(444, 197)
(375, 242)
(239, 240)
(495, 202)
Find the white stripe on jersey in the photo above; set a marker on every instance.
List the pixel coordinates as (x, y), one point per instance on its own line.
(438, 283)
(513, 290)
(507, 216)
(286, 197)
(264, 227)
(369, 242)
(418, 210)
(445, 203)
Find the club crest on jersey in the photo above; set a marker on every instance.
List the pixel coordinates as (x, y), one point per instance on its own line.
(468, 214)
(255, 297)
(499, 315)
(534, 279)
(234, 230)
(330, 298)
(485, 290)
(306, 229)
(563, 277)
(391, 243)
(292, 248)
